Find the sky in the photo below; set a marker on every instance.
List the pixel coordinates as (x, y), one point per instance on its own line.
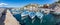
(21, 3)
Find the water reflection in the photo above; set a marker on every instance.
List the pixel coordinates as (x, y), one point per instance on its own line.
(48, 19)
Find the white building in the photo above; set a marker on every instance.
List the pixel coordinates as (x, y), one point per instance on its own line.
(56, 8)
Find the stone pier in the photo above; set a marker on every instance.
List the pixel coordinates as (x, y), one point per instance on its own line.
(10, 20)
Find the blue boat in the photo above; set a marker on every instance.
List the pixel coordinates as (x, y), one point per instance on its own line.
(31, 15)
(24, 14)
(39, 15)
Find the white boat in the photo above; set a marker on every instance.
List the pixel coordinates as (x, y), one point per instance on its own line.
(56, 13)
(14, 11)
(31, 15)
(40, 16)
(24, 14)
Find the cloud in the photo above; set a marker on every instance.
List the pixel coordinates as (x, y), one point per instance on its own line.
(3, 4)
(56, 0)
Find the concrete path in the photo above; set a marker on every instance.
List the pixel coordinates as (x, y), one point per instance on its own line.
(8, 19)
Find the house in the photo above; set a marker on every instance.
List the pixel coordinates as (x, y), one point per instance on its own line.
(56, 8)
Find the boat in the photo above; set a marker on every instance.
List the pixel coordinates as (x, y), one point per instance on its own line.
(39, 15)
(32, 15)
(56, 13)
(24, 14)
(15, 11)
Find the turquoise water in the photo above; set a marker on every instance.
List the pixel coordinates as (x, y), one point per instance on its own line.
(47, 20)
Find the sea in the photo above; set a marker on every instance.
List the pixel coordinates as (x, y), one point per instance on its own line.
(48, 19)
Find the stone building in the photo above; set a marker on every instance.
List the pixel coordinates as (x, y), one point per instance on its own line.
(31, 7)
(37, 7)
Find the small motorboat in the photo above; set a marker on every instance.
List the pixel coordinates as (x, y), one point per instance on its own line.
(39, 15)
(24, 14)
(31, 15)
(13, 11)
(56, 13)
